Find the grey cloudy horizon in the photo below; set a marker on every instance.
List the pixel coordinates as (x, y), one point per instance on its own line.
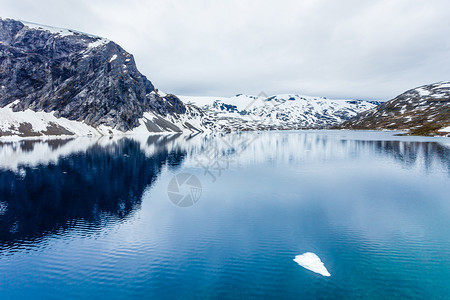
(337, 49)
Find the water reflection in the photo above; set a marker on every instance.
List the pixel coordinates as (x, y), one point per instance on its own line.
(46, 186)
(298, 147)
(104, 180)
(409, 153)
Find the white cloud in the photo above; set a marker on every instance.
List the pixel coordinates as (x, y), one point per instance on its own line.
(364, 49)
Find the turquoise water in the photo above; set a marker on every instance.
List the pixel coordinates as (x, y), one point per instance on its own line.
(97, 218)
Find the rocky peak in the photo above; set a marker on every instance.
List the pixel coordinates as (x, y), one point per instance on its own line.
(75, 75)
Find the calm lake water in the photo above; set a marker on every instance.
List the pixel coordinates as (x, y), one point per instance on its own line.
(189, 217)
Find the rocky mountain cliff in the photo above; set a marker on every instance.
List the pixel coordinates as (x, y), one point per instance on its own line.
(75, 76)
(422, 111)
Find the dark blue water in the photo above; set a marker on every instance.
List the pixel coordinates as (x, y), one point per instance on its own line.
(92, 218)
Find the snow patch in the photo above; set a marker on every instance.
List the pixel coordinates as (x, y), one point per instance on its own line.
(54, 30)
(161, 93)
(444, 85)
(62, 32)
(99, 42)
(40, 121)
(438, 95)
(445, 129)
(423, 92)
(312, 262)
(113, 58)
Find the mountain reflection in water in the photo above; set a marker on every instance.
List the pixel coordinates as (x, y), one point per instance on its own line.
(47, 186)
(100, 182)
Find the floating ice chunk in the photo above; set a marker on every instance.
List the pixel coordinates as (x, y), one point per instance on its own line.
(312, 262)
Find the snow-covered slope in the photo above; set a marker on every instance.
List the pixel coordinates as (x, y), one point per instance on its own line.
(244, 112)
(29, 123)
(423, 111)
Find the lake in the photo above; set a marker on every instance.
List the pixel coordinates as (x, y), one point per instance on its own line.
(223, 216)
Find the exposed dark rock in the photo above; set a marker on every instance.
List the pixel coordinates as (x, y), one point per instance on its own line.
(77, 76)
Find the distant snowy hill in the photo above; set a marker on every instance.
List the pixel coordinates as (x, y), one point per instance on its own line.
(423, 111)
(244, 112)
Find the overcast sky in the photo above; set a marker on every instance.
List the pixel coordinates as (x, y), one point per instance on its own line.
(339, 49)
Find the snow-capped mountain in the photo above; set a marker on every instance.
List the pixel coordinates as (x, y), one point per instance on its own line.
(244, 112)
(424, 111)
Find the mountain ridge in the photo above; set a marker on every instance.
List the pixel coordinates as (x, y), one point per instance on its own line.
(424, 110)
(277, 112)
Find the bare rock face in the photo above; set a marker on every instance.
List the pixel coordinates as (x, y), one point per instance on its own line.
(78, 76)
(423, 111)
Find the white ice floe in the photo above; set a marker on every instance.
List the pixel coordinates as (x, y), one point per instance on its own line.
(312, 262)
